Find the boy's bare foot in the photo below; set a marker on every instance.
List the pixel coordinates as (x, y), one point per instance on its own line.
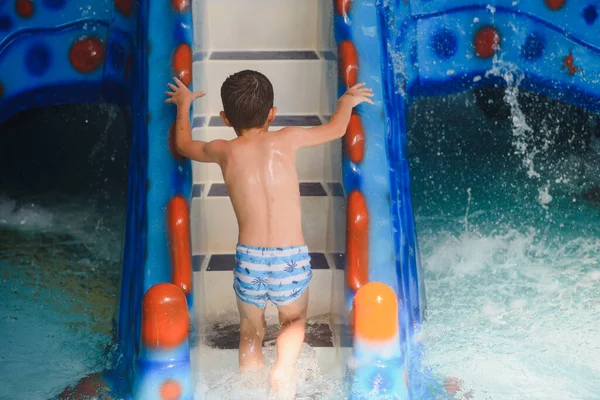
(453, 385)
(253, 366)
(283, 383)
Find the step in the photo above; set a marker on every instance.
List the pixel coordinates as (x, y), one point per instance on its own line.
(264, 25)
(320, 163)
(297, 82)
(215, 298)
(302, 86)
(214, 225)
(318, 334)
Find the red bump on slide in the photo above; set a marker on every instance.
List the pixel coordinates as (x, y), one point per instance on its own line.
(165, 319)
(487, 42)
(87, 54)
(354, 140)
(178, 215)
(343, 7)
(182, 63)
(24, 8)
(348, 63)
(357, 241)
(555, 4)
(180, 5)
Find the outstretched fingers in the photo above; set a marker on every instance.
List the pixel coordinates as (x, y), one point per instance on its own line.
(179, 83)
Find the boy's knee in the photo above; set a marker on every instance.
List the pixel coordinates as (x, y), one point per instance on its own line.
(250, 327)
(288, 318)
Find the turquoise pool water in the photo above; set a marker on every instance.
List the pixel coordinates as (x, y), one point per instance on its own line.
(509, 242)
(62, 209)
(510, 245)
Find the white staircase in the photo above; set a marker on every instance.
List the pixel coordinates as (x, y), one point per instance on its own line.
(290, 41)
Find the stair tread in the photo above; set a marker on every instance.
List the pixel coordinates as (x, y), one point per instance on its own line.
(225, 262)
(227, 336)
(265, 55)
(280, 121)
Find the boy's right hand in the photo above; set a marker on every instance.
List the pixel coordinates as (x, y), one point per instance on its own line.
(181, 95)
(358, 94)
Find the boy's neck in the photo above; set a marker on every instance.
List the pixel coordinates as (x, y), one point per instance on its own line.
(253, 131)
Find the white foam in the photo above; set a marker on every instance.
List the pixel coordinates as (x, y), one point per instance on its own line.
(27, 216)
(318, 375)
(512, 316)
(91, 222)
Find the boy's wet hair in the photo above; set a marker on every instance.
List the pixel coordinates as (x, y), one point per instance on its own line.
(247, 99)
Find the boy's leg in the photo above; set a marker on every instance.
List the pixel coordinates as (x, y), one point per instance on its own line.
(252, 333)
(292, 318)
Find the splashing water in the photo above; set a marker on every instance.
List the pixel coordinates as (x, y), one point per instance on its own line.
(61, 231)
(521, 131)
(59, 275)
(514, 300)
(318, 371)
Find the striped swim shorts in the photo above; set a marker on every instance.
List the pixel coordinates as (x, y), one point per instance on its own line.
(278, 274)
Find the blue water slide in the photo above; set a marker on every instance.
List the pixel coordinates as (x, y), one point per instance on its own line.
(406, 49)
(123, 52)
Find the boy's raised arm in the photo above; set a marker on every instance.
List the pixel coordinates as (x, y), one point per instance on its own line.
(337, 125)
(194, 149)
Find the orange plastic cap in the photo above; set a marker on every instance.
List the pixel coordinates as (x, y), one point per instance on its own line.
(170, 390)
(375, 312)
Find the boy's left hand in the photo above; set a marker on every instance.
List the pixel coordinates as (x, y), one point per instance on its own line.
(181, 95)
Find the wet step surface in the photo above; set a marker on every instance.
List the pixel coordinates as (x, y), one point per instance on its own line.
(228, 336)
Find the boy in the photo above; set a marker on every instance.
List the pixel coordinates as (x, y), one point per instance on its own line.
(259, 169)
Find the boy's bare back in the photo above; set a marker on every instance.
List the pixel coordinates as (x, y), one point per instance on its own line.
(260, 174)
